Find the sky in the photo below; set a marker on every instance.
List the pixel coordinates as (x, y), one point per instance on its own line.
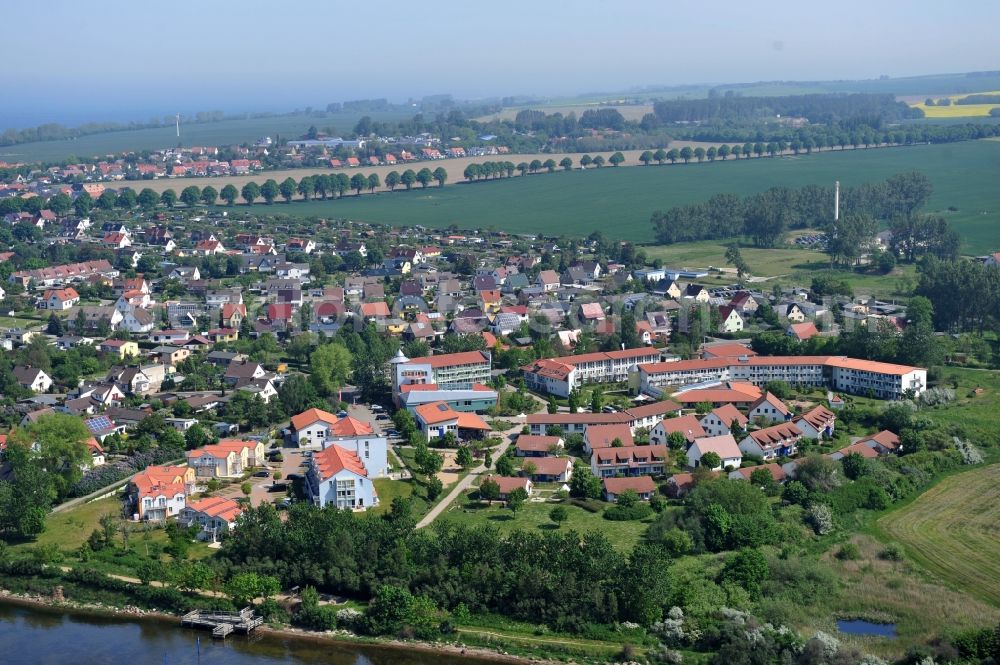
(80, 60)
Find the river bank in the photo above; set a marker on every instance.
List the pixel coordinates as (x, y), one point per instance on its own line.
(420, 653)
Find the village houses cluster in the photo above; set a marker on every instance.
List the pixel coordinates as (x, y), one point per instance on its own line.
(151, 302)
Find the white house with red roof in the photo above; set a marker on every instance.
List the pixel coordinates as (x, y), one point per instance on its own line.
(315, 428)
(817, 423)
(509, 484)
(779, 440)
(209, 248)
(883, 443)
(159, 492)
(215, 515)
(724, 446)
(643, 486)
(338, 477)
(59, 299)
(721, 419)
(769, 408)
(228, 458)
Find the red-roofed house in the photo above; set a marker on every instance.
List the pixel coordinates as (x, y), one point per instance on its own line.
(770, 409)
(159, 492)
(721, 419)
(724, 446)
(883, 443)
(549, 469)
(802, 331)
(59, 299)
(215, 515)
(779, 440)
(338, 477)
(629, 461)
(778, 474)
(687, 425)
(817, 423)
(228, 458)
(532, 445)
(641, 485)
(596, 437)
(508, 485)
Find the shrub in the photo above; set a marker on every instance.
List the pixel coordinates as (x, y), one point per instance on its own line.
(820, 518)
(892, 552)
(349, 618)
(849, 552)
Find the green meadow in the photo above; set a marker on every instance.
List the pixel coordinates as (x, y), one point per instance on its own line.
(619, 201)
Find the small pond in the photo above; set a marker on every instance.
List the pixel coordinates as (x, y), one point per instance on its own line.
(860, 627)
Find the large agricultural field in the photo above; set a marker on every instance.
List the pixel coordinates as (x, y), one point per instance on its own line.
(951, 531)
(225, 132)
(957, 110)
(619, 201)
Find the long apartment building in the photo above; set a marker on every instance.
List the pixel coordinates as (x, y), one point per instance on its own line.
(447, 371)
(560, 376)
(646, 415)
(850, 375)
(64, 274)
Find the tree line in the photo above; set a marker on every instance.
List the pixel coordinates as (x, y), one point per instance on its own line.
(492, 169)
(766, 216)
(838, 135)
(817, 108)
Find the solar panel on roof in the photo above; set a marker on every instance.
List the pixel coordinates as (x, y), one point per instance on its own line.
(442, 407)
(99, 423)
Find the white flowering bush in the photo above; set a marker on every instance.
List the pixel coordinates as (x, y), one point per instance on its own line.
(348, 618)
(820, 518)
(936, 396)
(970, 454)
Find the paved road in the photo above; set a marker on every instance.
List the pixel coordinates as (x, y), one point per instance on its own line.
(466, 483)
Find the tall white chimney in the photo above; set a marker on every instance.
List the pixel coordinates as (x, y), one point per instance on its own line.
(836, 201)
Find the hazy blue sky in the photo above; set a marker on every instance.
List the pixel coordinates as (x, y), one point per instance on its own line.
(73, 60)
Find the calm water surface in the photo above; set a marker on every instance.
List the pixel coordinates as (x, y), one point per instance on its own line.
(42, 636)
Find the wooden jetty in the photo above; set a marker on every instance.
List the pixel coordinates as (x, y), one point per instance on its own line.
(222, 623)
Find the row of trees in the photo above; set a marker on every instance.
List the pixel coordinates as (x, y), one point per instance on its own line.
(766, 216)
(822, 108)
(490, 169)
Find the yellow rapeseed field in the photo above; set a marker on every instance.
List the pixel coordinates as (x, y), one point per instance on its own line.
(958, 110)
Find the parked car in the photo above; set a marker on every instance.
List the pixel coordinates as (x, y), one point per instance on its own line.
(262, 474)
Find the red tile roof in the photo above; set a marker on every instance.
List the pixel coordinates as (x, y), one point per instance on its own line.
(333, 459)
(639, 484)
(309, 416)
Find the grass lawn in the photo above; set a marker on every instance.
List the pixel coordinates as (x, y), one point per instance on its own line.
(19, 322)
(623, 535)
(621, 200)
(389, 489)
(787, 266)
(950, 530)
(70, 529)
